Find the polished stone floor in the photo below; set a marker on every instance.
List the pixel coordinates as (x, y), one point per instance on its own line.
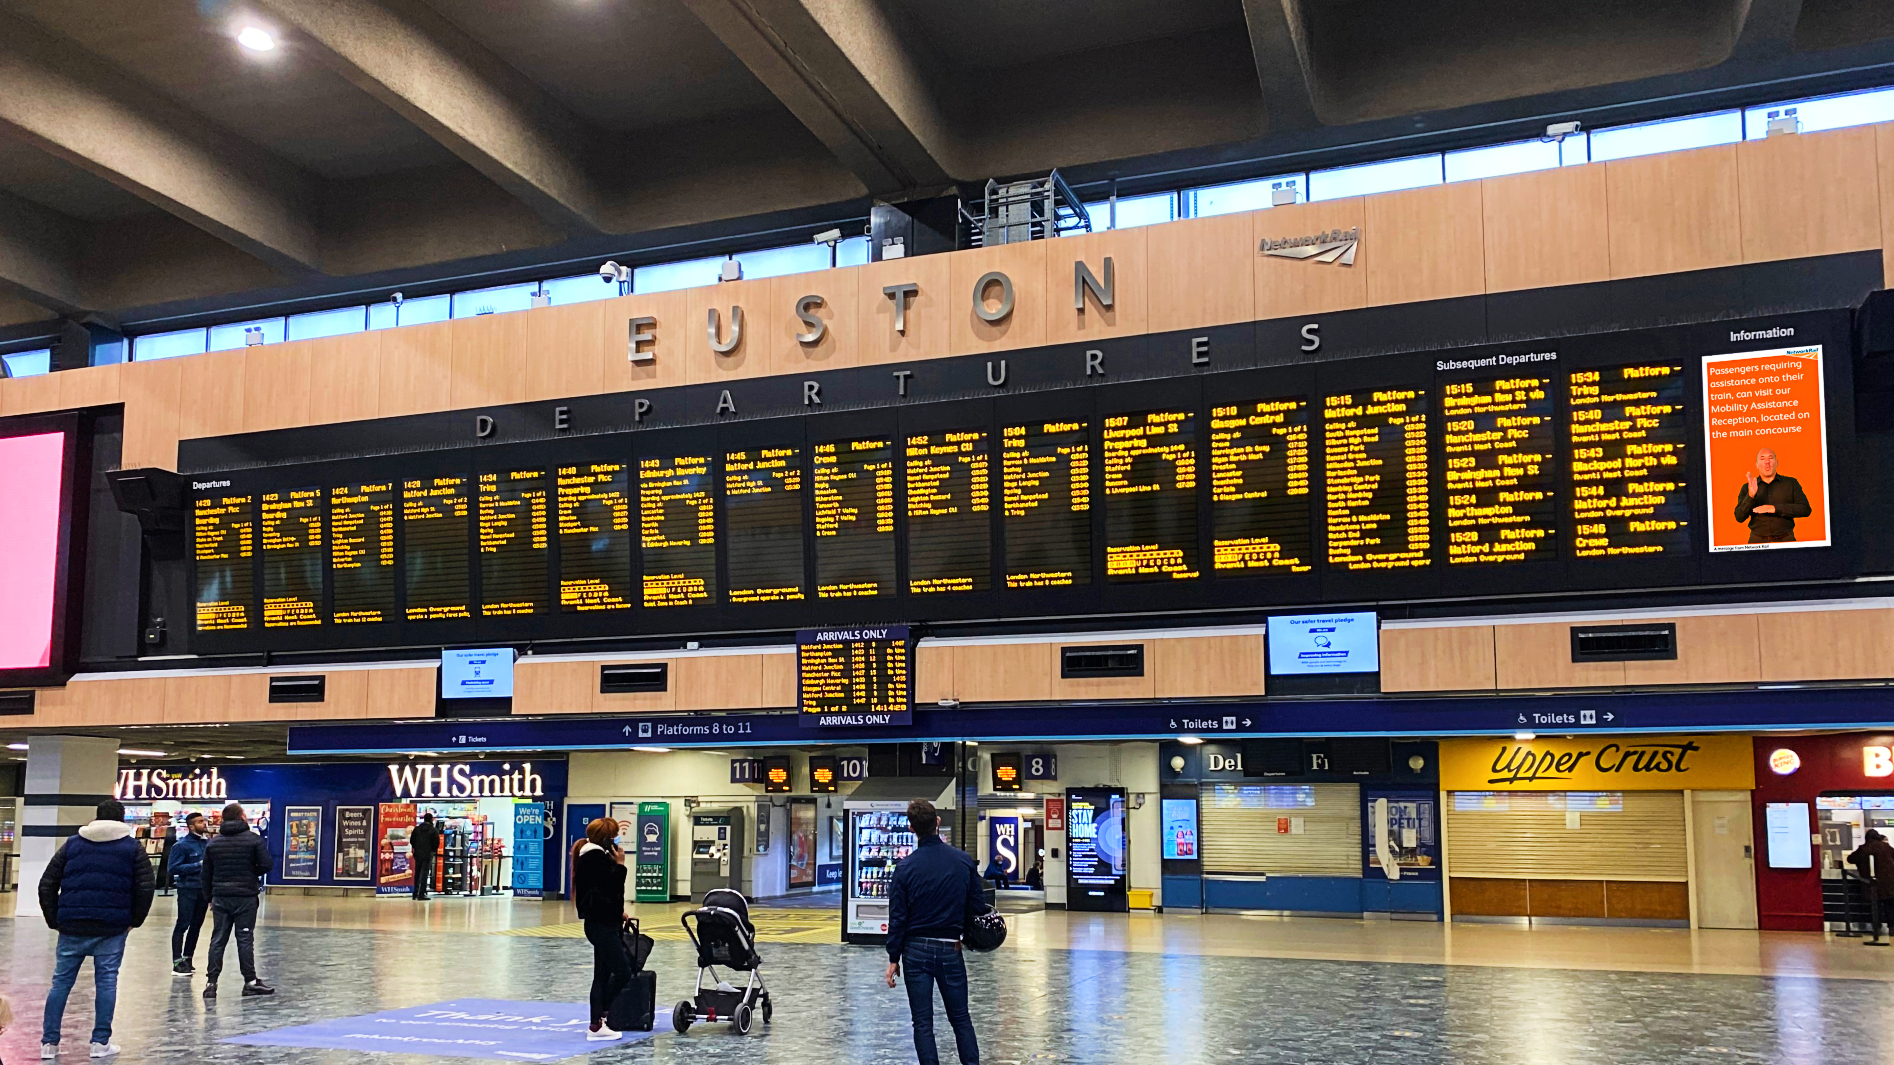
(1066, 988)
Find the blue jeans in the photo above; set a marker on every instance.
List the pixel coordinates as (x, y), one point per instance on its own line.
(924, 963)
(106, 953)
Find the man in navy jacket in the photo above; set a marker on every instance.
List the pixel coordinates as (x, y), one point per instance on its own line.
(935, 892)
(94, 892)
(186, 861)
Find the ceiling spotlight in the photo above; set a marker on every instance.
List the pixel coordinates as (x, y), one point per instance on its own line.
(136, 753)
(1190, 741)
(256, 39)
(16, 746)
(1524, 737)
(653, 750)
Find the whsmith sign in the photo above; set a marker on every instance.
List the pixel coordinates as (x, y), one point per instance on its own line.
(466, 780)
(1720, 762)
(157, 785)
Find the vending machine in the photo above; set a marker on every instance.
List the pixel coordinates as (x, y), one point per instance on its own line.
(877, 839)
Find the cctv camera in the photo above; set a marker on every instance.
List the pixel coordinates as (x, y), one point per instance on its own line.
(949, 702)
(828, 236)
(1558, 131)
(395, 299)
(608, 273)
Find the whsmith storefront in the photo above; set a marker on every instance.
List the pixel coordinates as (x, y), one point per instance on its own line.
(345, 825)
(1609, 829)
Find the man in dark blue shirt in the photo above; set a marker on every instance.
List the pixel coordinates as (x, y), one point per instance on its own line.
(936, 891)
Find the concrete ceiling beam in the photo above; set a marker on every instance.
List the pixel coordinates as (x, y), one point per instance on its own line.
(849, 73)
(67, 103)
(39, 259)
(1279, 39)
(412, 59)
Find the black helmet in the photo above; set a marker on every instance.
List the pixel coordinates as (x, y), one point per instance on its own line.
(986, 932)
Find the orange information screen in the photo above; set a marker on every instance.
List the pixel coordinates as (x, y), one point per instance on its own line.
(1765, 449)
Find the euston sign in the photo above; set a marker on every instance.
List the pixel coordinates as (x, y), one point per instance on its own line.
(466, 780)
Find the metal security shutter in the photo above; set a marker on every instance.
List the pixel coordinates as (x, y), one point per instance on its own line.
(1524, 834)
(1239, 829)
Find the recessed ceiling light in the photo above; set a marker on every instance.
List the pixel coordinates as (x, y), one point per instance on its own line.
(653, 750)
(16, 746)
(1190, 741)
(136, 753)
(1524, 737)
(255, 39)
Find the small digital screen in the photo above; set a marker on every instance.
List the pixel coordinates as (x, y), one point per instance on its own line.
(1377, 483)
(859, 673)
(515, 543)
(291, 542)
(677, 527)
(776, 776)
(434, 520)
(1046, 480)
(854, 519)
(362, 552)
(950, 528)
(1787, 827)
(223, 544)
(822, 775)
(1150, 463)
(1628, 438)
(1324, 643)
(1502, 496)
(1006, 772)
(1180, 829)
(1259, 487)
(594, 523)
(485, 673)
(762, 504)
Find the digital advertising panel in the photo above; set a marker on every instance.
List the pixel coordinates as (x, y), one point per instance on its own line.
(1766, 450)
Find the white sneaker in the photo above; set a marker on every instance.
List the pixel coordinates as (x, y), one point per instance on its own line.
(48, 1051)
(104, 1050)
(603, 1034)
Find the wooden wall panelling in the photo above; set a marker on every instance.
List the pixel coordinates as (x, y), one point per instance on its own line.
(248, 699)
(276, 386)
(1826, 644)
(841, 339)
(1025, 265)
(718, 682)
(1809, 194)
(750, 358)
(1202, 666)
(345, 695)
(1289, 287)
(211, 394)
(1484, 897)
(1542, 229)
(410, 692)
(151, 391)
(1004, 672)
(779, 681)
(52, 707)
(133, 701)
(194, 700)
(489, 359)
(669, 345)
(1647, 900)
(634, 702)
(1711, 649)
(543, 686)
(1129, 313)
(89, 386)
(926, 317)
(417, 368)
(1884, 154)
(1673, 211)
(1200, 272)
(1540, 656)
(1144, 687)
(1566, 898)
(933, 674)
(1428, 244)
(345, 378)
(562, 348)
(1435, 659)
(30, 395)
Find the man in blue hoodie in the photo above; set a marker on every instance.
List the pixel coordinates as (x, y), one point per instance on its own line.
(187, 859)
(95, 891)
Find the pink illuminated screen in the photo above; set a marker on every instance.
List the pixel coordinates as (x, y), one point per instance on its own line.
(31, 475)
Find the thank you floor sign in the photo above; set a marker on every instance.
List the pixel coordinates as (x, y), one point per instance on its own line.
(467, 1028)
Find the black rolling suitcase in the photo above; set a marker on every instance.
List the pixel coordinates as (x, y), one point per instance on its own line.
(635, 1008)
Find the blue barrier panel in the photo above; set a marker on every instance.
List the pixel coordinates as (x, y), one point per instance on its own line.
(465, 1028)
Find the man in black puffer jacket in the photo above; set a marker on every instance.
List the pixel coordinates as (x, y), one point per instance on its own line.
(234, 863)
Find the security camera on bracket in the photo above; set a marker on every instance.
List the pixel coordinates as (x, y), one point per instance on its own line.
(610, 272)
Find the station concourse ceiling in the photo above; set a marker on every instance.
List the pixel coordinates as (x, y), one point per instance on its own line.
(152, 168)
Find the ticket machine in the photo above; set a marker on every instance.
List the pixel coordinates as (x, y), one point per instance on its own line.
(716, 850)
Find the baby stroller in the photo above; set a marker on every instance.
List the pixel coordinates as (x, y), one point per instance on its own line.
(723, 934)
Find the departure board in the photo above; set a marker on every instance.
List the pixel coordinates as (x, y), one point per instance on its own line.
(593, 509)
(223, 544)
(1150, 463)
(362, 552)
(434, 522)
(677, 528)
(950, 528)
(1375, 443)
(854, 519)
(854, 676)
(1259, 487)
(1502, 499)
(1046, 485)
(1628, 436)
(514, 543)
(291, 542)
(762, 503)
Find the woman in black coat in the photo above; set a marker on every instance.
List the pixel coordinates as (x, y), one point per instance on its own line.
(598, 889)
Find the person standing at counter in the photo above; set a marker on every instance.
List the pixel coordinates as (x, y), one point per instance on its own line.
(1875, 859)
(424, 843)
(234, 865)
(186, 861)
(936, 891)
(1772, 503)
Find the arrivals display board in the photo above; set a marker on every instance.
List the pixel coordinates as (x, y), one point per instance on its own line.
(1584, 464)
(854, 676)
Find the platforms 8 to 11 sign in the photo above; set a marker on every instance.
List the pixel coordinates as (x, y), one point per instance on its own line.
(854, 676)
